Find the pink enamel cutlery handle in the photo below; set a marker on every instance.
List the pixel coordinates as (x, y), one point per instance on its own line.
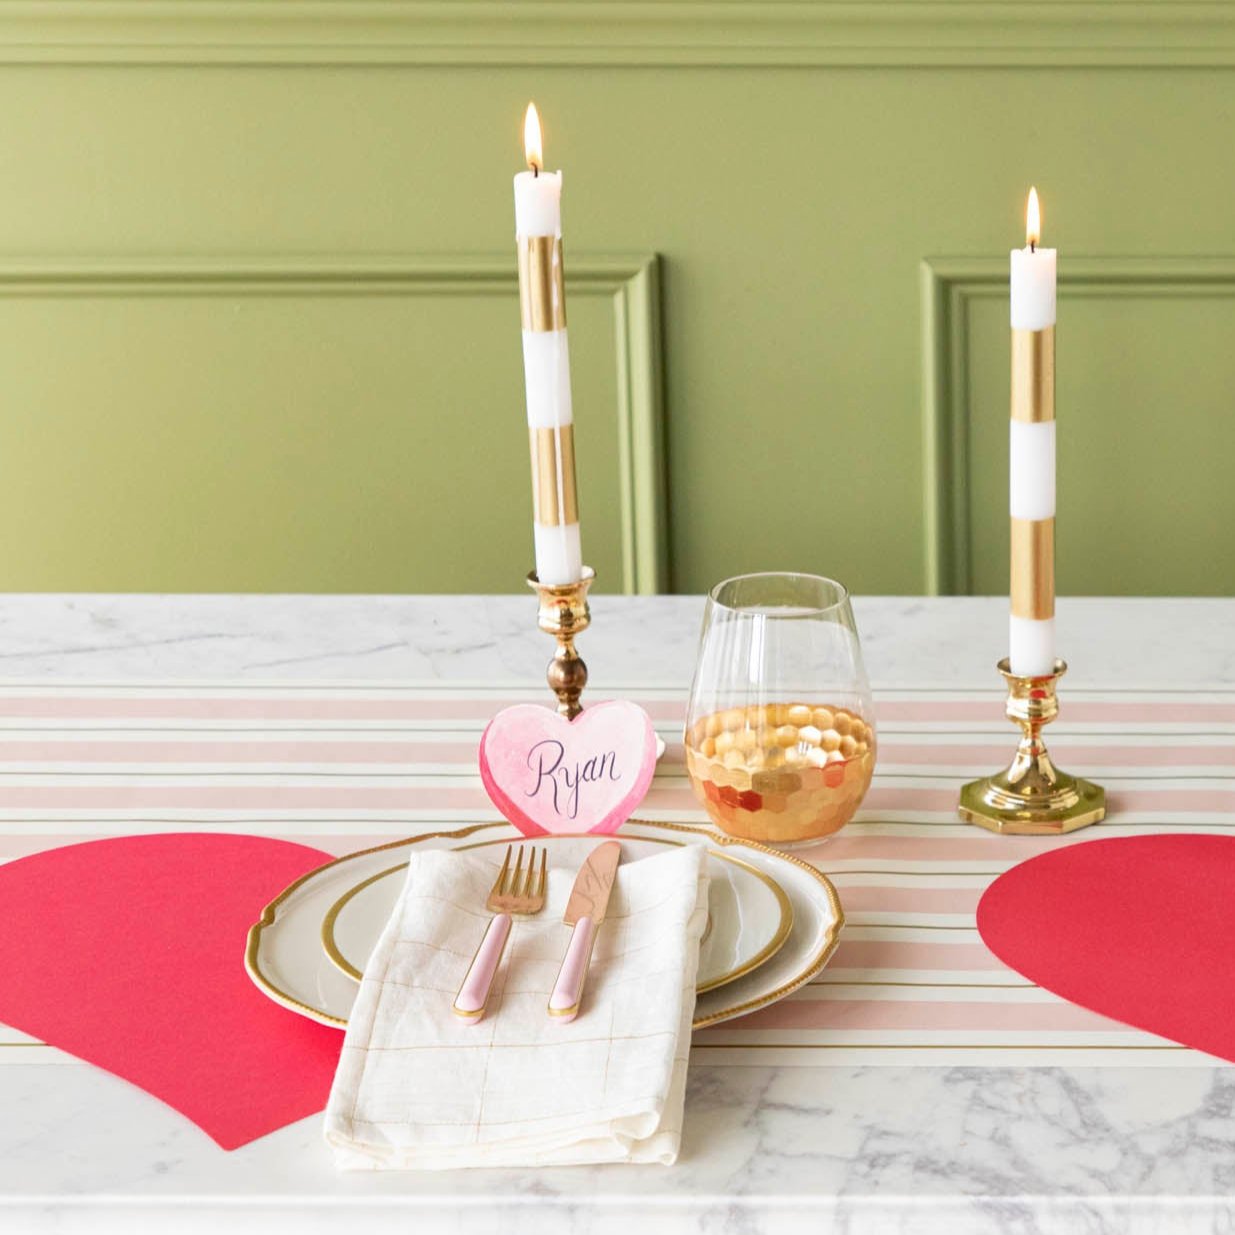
(474, 993)
(568, 989)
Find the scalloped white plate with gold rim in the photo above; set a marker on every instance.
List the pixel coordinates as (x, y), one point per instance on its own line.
(310, 941)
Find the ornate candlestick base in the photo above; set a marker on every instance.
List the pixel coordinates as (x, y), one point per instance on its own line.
(1032, 797)
(563, 613)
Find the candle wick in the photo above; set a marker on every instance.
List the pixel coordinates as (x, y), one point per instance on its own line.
(1033, 246)
(535, 171)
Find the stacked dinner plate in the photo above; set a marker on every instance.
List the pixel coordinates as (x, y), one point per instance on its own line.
(773, 919)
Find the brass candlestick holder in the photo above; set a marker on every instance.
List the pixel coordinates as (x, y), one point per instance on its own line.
(1032, 797)
(563, 613)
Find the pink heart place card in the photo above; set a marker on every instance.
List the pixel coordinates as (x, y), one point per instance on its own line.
(547, 774)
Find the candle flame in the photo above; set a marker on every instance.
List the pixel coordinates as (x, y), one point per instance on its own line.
(531, 139)
(1033, 221)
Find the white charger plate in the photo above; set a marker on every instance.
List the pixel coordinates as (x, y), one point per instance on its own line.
(775, 920)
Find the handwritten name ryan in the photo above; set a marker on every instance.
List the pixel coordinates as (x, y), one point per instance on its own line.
(544, 760)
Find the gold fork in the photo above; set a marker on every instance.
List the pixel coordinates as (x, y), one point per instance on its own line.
(519, 893)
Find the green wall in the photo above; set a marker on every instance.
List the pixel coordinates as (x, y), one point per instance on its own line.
(258, 326)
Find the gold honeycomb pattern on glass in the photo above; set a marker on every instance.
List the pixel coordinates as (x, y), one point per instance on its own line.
(782, 772)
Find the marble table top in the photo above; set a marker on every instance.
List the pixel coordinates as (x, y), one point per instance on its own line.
(853, 1149)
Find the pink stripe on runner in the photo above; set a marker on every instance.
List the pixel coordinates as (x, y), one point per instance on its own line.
(469, 796)
(910, 799)
(909, 900)
(1119, 801)
(905, 798)
(908, 954)
(1117, 712)
(337, 845)
(332, 707)
(852, 845)
(241, 796)
(109, 751)
(1160, 755)
(463, 752)
(926, 1015)
(308, 752)
(233, 708)
(310, 707)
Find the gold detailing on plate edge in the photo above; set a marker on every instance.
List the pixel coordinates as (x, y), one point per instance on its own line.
(563, 613)
(1033, 568)
(330, 945)
(811, 967)
(1032, 797)
(1033, 375)
(553, 461)
(253, 942)
(542, 294)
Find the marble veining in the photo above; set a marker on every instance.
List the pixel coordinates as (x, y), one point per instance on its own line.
(766, 1150)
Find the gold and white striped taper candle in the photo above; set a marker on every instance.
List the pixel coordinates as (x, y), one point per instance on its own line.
(1031, 633)
(546, 364)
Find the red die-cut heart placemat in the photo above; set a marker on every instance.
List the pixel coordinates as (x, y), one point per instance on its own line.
(1138, 929)
(129, 953)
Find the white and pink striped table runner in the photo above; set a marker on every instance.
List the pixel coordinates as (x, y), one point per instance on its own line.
(343, 767)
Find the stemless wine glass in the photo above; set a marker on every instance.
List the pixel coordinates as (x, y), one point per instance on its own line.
(780, 732)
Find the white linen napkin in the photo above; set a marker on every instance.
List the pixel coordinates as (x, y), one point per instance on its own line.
(419, 1088)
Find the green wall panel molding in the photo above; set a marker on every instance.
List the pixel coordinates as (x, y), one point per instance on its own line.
(752, 400)
(301, 423)
(632, 33)
(642, 466)
(1145, 381)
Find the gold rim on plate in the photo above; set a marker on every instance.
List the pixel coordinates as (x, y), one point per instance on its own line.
(813, 965)
(331, 947)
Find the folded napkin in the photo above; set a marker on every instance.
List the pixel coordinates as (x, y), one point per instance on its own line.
(417, 1087)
